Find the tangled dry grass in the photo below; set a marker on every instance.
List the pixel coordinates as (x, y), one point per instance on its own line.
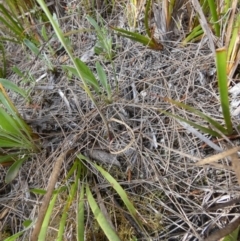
(176, 199)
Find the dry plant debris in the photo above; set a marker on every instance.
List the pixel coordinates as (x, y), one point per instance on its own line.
(151, 153)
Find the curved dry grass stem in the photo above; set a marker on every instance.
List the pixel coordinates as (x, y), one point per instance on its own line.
(132, 136)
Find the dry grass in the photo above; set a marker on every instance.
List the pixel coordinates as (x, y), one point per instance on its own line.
(172, 195)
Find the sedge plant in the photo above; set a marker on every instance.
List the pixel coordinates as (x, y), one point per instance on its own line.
(218, 128)
(148, 40)
(80, 191)
(17, 140)
(79, 68)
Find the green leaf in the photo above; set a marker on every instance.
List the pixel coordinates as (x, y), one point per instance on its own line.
(118, 189)
(32, 47)
(8, 124)
(14, 169)
(80, 215)
(38, 191)
(68, 203)
(44, 33)
(146, 18)
(87, 75)
(199, 127)
(151, 43)
(103, 79)
(94, 24)
(45, 224)
(99, 216)
(232, 236)
(196, 32)
(200, 114)
(221, 62)
(11, 86)
(27, 224)
(214, 14)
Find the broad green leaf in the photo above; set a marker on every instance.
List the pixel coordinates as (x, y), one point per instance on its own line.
(87, 75)
(32, 47)
(221, 62)
(99, 216)
(14, 169)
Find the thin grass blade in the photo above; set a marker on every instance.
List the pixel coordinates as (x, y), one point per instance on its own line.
(214, 14)
(200, 114)
(80, 215)
(11, 86)
(119, 190)
(103, 79)
(221, 63)
(199, 127)
(103, 223)
(45, 224)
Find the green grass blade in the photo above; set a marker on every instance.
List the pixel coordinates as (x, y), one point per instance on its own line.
(213, 10)
(221, 62)
(103, 79)
(45, 224)
(9, 157)
(80, 215)
(11, 86)
(196, 32)
(199, 127)
(94, 24)
(118, 189)
(70, 198)
(233, 48)
(10, 22)
(8, 124)
(32, 47)
(13, 170)
(87, 75)
(133, 35)
(146, 18)
(198, 113)
(232, 236)
(27, 225)
(102, 221)
(4, 61)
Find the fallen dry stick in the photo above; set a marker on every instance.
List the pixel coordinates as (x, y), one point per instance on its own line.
(217, 235)
(218, 156)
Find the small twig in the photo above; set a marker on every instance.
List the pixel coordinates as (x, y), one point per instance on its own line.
(47, 196)
(217, 235)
